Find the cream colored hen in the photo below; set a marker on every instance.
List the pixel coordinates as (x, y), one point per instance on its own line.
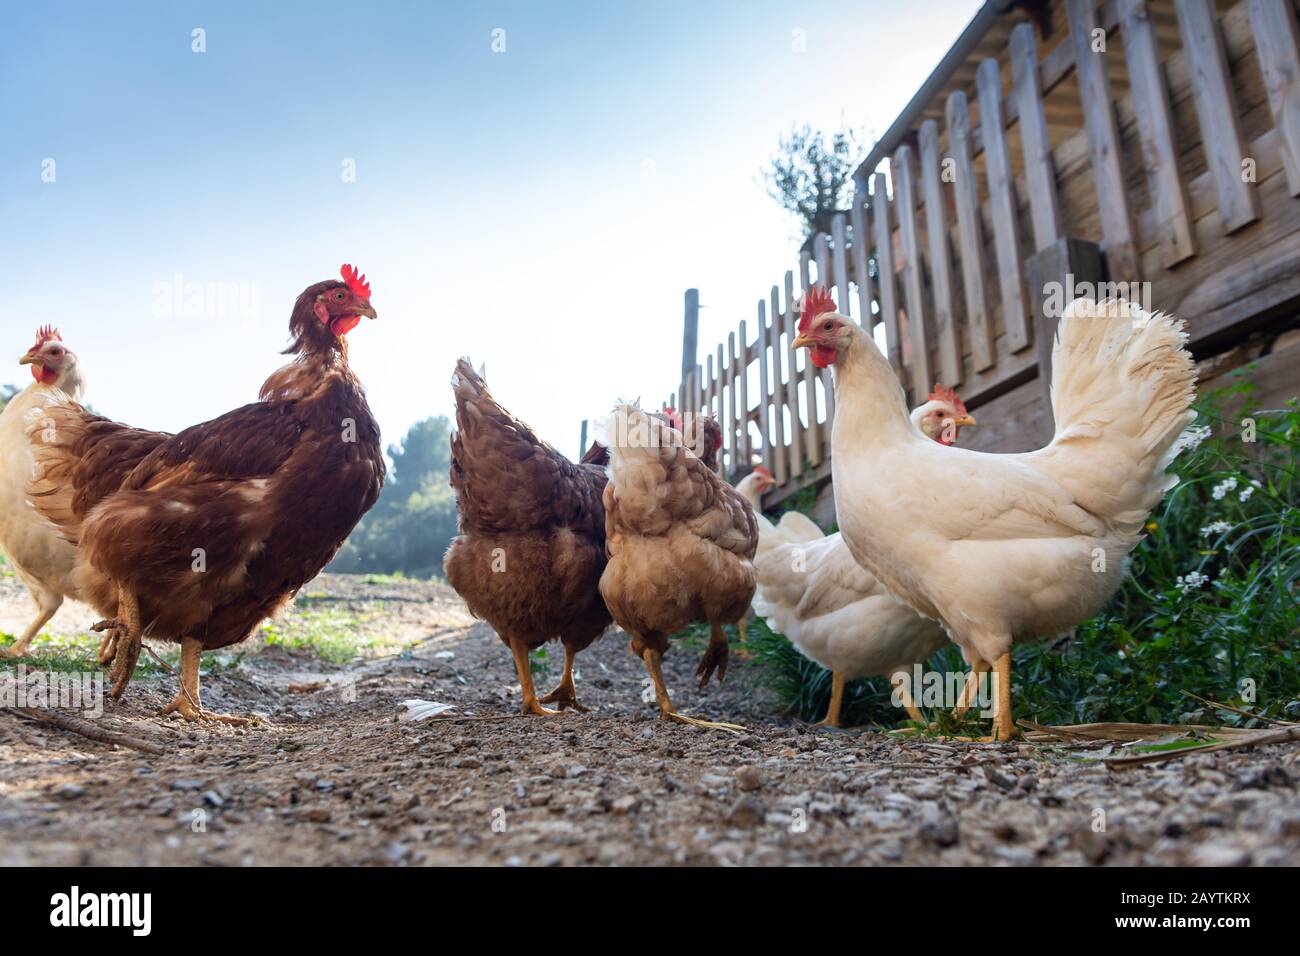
(832, 609)
(680, 542)
(41, 558)
(1000, 548)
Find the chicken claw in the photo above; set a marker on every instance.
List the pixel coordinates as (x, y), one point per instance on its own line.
(715, 657)
(108, 644)
(187, 702)
(565, 695)
(653, 664)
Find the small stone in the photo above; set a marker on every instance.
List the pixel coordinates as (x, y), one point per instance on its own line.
(747, 811)
(187, 784)
(749, 779)
(939, 827)
(315, 814)
(213, 799)
(70, 791)
(625, 805)
(1220, 854)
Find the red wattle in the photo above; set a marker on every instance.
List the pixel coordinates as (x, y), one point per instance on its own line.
(344, 325)
(823, 357)
(46, 376)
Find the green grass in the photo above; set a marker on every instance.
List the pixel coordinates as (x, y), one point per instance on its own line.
(1162, 636)
(334, 635)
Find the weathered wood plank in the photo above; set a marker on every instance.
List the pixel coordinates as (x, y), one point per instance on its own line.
(1273, 23)
(1156, 131)
(1040, 177)
(741, 358)
(780, 458)
(725, 410)
(861, 255)
(806, 423)
(1103, 140)
(829, 274)
(839, 261)
(794, 451)
(936, 231)
(1002, 205)
(766, 392)
(885, 273)
(1216, 111)
(917, 324)
(970, 242)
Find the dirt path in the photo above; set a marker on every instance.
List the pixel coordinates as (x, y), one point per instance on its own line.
(337, 778)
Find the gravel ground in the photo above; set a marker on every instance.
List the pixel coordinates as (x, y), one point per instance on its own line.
(335, 777)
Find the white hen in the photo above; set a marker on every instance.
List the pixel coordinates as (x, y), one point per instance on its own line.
(830, 607)
(40, 556)
(1002, 548)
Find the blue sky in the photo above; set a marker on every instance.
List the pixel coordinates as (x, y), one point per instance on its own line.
(540, 209)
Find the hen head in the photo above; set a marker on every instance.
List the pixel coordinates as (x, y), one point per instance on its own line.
(700, 433)
(822, 330)
(49, 358)
(943, 415)
(328, 311)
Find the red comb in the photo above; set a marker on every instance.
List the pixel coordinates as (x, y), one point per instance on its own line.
(356, 281)
(945, 393)
(46, 334)
(764, 471)
(815, 301)
(674, 419)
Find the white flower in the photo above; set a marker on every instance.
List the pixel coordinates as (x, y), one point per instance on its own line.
(1191, 438)
(1191, 581)
(1216, 527)
(1223, 487)
(1248, 491)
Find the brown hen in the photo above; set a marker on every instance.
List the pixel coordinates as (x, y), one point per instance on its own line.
(197, 537)
(681, 544)
(531, 547)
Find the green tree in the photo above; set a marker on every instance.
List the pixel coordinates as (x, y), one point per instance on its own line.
(409, 528)
(811, 175)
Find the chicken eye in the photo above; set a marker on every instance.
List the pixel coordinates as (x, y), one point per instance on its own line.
(828, 326)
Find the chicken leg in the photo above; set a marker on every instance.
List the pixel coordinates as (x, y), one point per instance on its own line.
(832, 718)
(565, 695)
(126, 646)
(47, 604)
(653, 664)
(188, 703)
(715, 657)
(531, 705)
(743, 651)
(909, 704)
(978, 667)
(1003, 727)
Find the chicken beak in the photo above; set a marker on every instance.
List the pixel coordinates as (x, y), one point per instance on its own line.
(964, 420)
(368, 312)
(28, 359)
(803, 341)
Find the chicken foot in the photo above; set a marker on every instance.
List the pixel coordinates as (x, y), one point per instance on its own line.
(531, 705)
(653, 663)
(715, 657)
(188, 703)
(113, 629)
(565, 695)
(1004, 728)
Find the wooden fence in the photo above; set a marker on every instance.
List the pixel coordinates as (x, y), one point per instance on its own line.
(1166, 135)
